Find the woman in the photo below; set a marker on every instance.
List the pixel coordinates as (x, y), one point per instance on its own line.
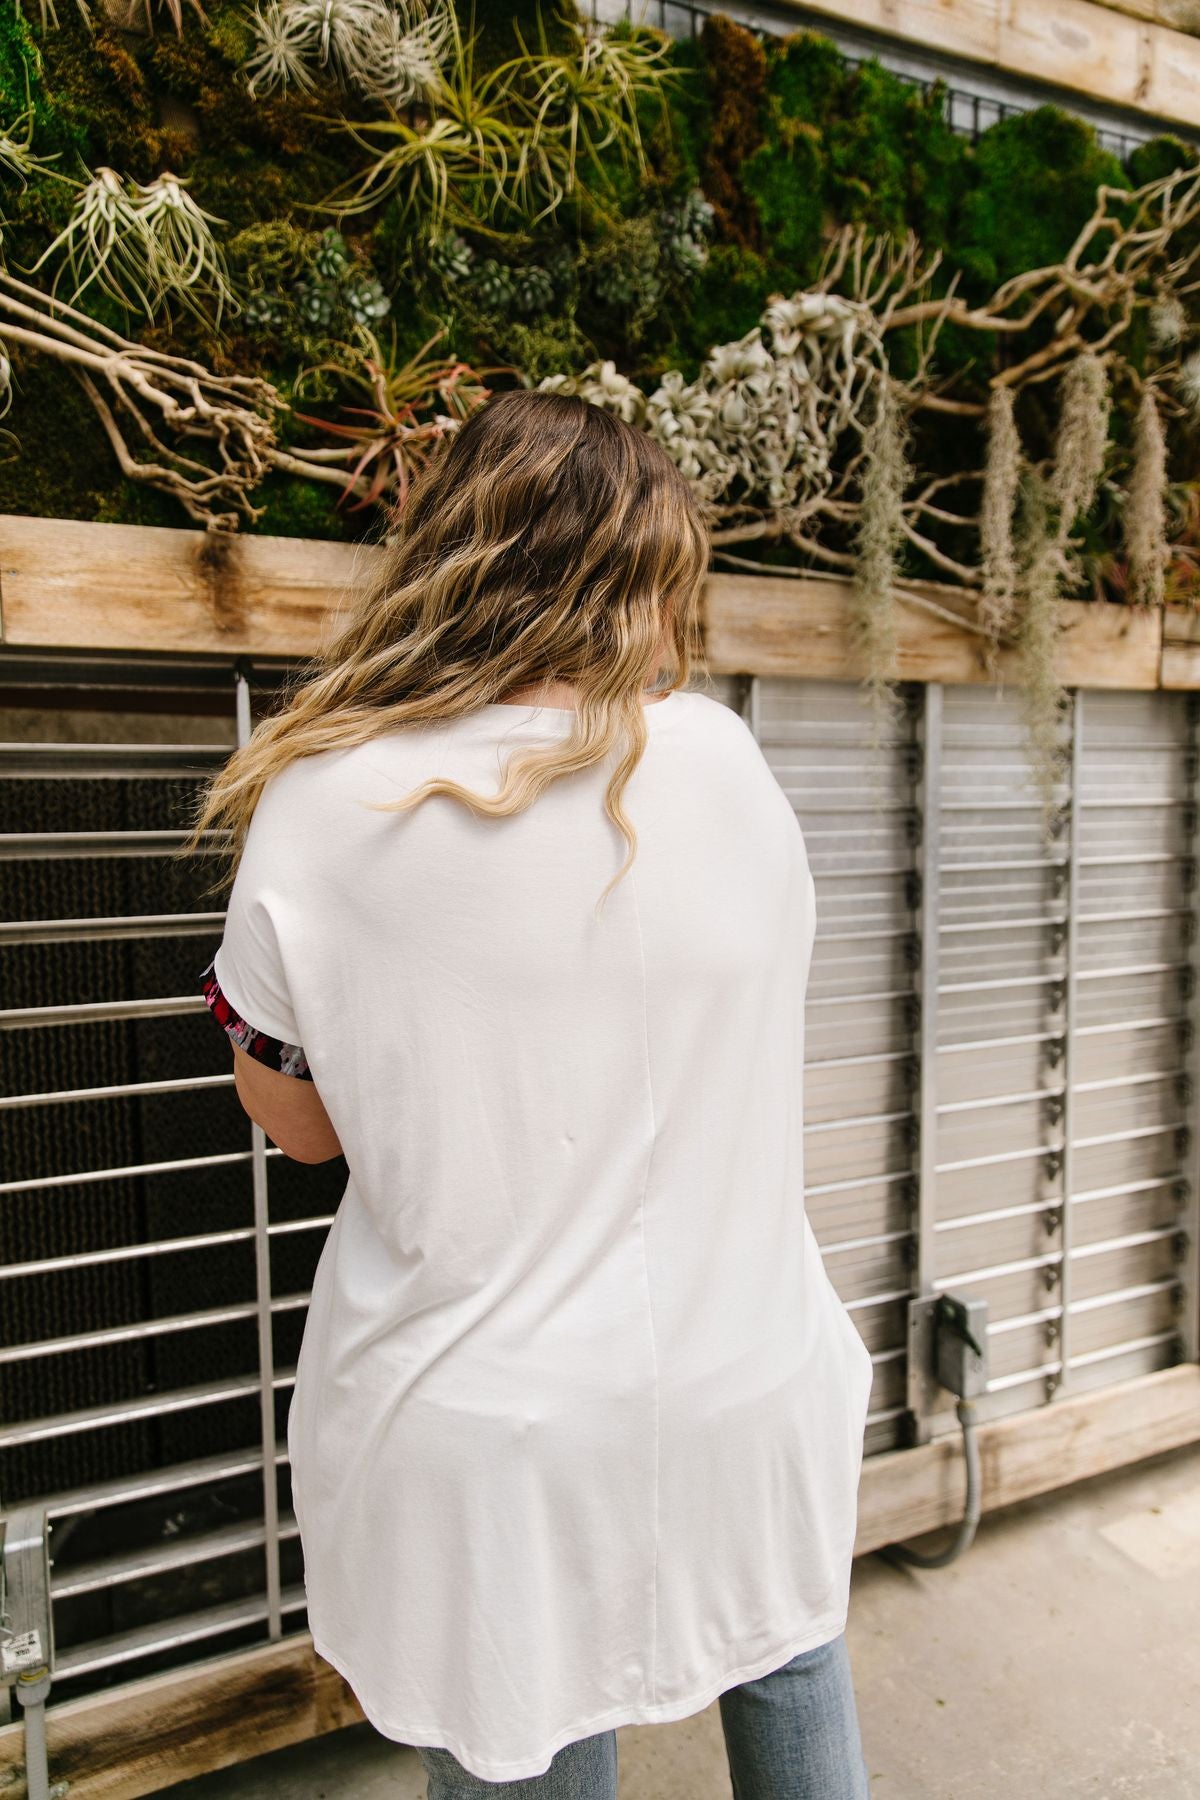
(578, 1417)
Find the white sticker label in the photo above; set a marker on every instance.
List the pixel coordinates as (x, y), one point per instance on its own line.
(23, 1652)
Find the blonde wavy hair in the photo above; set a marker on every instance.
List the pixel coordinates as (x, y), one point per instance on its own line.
(545, 541)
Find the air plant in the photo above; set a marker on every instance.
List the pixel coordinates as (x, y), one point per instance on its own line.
(105, 245)
(464, 159)
(16, 145)
(48, 13)
(185, 258)
(387, 50)
(139, 245)
(413, 406)
(172, 8)
(589, 97)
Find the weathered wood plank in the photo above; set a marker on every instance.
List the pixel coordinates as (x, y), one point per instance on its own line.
(131, 1741)
(146, 1735)
(67, 582)
(70, 584)
(1103, 51)
(1181, 648)
(906, 1492)
(766, 625)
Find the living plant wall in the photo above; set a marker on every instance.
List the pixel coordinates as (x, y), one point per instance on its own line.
(258, 259)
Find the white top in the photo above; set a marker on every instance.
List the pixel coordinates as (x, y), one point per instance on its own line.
(578, 1420)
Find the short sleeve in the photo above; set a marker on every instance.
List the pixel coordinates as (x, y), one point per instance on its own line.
(276, 1053)
(246, 986)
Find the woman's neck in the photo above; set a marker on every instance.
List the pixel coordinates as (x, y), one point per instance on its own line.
(557, 694)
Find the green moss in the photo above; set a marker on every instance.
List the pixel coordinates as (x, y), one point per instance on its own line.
(1160, 156)
(736, 66)
(305, 509)
(1035, 186)
(848, 146)
(727, 300)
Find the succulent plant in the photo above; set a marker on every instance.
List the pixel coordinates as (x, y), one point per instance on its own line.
(332, 255)
(452, 256)
(264, 311)
(686, 229)
(494, 287)
(533, 291)
(365, 300)
(316, 302)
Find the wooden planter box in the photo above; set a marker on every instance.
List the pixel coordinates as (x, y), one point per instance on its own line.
(67, 584)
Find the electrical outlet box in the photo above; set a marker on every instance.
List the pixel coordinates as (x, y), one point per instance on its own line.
(957, 1364)
(943, 1365)
(26, 1625)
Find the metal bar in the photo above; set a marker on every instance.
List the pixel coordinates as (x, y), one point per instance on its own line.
(1126, 1187)
(262, 1278)
(18, 846)
(879, 1241)
(1021, 1266)
(1027, 1153)
(1189, 1191)
(158, 1559)
(150, 1484)
(122, 1090)
(22, 1018)
(204, 1240)
(858, 1181)
(1126, 1137)
(146, 1328)
(967, 1220)
(148, 925)
(927, 930)
(990, 1101)
(1131, 1241)
(150, 1406)
(174, 1634)
(45, 759)
(43, 1183)
(1111, 1350)
(1142, 1290)
(856, 1120)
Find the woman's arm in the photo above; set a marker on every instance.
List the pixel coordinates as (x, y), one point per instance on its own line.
(291, 1112)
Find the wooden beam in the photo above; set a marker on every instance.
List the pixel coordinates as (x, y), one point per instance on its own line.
(1181, 648)
(767, 625)
(68, 584)
(906, 1492)
(129, 1741)
(1096, 50)
(132, 1740)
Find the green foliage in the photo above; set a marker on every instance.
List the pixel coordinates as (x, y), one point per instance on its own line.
(851, 146)
(1034, 187)
(656, 256)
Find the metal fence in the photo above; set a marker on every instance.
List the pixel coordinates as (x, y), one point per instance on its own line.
(999, 1088)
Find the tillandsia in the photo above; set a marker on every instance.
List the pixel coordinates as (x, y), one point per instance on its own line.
(386, 50)
(590, 96)
(140, 246)
(508, 144)
(412, 406)
(1146, 506)
(17, 154)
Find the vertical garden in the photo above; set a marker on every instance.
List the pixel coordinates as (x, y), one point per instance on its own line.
(258, 260)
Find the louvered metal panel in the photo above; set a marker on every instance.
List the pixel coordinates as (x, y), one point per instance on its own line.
(856, 802)
(994, 1023)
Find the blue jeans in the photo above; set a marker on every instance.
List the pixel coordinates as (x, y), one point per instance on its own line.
(789, 1735)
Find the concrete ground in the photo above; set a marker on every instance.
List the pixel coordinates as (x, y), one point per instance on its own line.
(1059, 1659)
